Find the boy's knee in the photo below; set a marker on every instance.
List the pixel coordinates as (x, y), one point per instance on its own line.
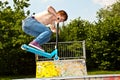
(49, 32)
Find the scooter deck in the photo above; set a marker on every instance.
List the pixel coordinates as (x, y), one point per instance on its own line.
(39, 52)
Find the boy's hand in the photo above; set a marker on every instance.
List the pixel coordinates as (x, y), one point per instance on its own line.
(53, 29)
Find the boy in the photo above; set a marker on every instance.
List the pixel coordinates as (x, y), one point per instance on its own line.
(36, 25)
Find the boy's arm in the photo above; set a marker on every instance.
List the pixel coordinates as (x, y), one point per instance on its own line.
(52, 10)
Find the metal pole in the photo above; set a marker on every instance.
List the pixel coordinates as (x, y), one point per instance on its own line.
(57, 30)
(56, 47)
(84, 51)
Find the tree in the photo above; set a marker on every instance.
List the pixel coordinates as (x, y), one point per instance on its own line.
(11, 38)
(104, 38)
(75, 30)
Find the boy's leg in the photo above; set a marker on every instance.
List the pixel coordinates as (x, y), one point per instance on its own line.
(43, 37)
(29, 27)
(45, 40)
(33, 43)
(40, 31)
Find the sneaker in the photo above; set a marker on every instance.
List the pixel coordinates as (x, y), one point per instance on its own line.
(36, 45)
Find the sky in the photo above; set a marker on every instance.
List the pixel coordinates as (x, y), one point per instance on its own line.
(85, 9)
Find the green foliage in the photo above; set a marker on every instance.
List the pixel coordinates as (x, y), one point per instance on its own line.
(11, 38)
(102, 37)
(75, 30)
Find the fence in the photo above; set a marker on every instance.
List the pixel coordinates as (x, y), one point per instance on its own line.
(66, 50)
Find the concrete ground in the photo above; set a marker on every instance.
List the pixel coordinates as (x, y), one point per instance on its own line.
(89, 77)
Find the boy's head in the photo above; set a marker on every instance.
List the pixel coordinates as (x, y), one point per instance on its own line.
(62, 15)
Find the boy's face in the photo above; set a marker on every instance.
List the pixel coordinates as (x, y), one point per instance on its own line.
(60, 18)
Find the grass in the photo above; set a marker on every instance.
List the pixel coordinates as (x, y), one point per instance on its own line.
(15, 77)
(33, 76)
(102, 72)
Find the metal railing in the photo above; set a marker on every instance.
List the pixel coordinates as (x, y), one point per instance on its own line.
(66, 50)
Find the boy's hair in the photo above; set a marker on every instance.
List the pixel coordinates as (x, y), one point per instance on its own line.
(63, 13)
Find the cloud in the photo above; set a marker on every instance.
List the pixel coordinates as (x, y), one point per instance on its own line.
(105, 2)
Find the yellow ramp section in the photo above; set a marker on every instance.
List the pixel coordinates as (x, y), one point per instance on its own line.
(61, 68)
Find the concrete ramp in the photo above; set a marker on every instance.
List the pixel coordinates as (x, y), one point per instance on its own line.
(61, 68)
